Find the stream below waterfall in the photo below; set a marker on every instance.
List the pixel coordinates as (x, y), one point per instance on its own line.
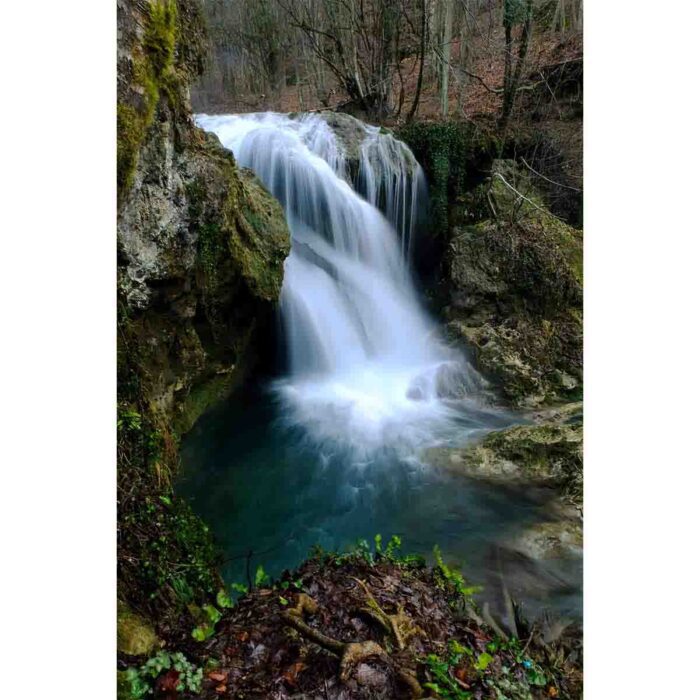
(330, 451)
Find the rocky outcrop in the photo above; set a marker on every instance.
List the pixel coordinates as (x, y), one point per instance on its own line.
(201, 247)
(201, 244)
(507, 271)
(515, 286)
(547, 454)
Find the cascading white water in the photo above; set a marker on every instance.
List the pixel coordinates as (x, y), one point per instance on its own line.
(367, 367)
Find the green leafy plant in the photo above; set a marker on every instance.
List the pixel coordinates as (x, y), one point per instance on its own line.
(483, 661)
(454, 577)
(141, 680)
(239, 588)
(206, 628)
(260, 576)
(393, 546)
(129, 420)
(442, 683)
(223, 599)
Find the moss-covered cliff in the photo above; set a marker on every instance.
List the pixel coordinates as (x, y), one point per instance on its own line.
(201, 247)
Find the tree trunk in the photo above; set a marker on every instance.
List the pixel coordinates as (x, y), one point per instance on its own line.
(512, 82)
(445, 55)
(419, 84)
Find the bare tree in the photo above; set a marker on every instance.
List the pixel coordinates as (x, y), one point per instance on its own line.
(421, 66)
(514, 12)
(445, 56)
(358, 42)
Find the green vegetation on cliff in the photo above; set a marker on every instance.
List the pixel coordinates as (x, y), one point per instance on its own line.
(453, 155)
(201, 248)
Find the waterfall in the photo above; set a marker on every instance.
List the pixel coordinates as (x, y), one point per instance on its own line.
(367, 367)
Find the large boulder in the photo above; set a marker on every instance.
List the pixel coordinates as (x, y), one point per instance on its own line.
(515, 291)
(201, 243)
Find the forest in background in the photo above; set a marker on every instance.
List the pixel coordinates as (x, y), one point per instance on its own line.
(390, 61)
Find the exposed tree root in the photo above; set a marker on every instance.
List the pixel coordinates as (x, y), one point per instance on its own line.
(353, 653)
(400, 625)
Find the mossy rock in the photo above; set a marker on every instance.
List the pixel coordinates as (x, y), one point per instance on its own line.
(135, 637)
(531, 361)
(516, 292)
(546, 454)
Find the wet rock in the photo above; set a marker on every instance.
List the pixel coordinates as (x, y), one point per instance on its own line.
(551, 540)
(548, 453)
(201, 244)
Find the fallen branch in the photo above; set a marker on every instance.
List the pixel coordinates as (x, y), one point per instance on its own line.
(558, 184)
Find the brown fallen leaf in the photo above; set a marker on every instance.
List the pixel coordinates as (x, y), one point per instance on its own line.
(166, 685)
(220, 688)
(293, 671)
(218, 677)
(461, 674)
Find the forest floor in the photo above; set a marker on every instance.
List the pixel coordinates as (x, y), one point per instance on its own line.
(370, 625)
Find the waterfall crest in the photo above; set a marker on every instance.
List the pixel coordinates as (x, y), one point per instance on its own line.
(367, 367)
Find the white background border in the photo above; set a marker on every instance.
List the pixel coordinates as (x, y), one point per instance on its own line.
(642, 264)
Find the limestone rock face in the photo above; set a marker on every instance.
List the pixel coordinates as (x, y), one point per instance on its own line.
(201, 244)
(516, 291)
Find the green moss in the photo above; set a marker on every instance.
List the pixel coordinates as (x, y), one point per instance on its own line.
(454, 154)
(153, 73)
(201, 397)
(123, 686)
(160, 35)
(260, 239)
(135, 637)
(130, 131)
